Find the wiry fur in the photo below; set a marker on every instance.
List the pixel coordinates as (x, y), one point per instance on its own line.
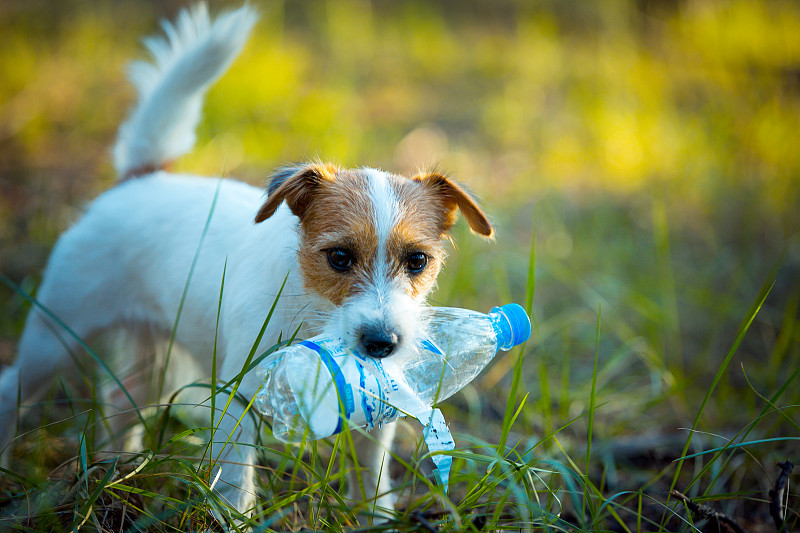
(156, 247)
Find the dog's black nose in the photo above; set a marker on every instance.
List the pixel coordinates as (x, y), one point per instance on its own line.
(377, 342)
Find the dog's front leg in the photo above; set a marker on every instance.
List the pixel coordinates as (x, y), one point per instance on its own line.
(370, 480)
(233, 451)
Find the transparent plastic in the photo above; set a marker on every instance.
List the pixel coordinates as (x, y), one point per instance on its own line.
(459, 345)
(313, 388)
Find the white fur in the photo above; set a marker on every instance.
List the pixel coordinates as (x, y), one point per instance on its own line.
(124, 268)
(193, 55)
(124, 265)
(384, 208)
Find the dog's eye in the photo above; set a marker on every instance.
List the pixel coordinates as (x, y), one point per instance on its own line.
(340, 259)
(416, 262)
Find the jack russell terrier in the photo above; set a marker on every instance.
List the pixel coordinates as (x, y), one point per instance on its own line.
(359, 251)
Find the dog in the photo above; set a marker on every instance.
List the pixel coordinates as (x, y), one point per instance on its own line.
(352, 252)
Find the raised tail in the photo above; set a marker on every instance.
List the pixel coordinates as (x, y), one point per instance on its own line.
(194, 52)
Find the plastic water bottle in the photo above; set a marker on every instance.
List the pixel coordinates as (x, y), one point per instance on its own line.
(313, 388)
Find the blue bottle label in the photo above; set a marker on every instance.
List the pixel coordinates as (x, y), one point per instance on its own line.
(361, 383)
(431, 347)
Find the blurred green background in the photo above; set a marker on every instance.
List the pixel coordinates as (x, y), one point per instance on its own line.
(647, 151)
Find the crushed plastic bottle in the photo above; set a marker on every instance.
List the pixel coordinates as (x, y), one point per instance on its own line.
(313, 388)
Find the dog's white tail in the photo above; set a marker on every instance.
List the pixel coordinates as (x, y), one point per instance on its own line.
(193, 54)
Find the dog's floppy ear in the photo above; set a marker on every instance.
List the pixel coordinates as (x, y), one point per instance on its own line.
(453, 198)
(296, 186)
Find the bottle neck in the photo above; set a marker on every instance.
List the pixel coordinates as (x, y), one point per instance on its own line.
(502, 329)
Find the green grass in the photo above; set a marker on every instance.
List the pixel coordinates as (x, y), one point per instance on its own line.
(523, 478)
(638, 161)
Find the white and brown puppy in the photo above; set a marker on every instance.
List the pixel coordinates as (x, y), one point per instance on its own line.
(362, 249)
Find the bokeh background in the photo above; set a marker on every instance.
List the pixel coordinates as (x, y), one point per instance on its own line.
(640, 160)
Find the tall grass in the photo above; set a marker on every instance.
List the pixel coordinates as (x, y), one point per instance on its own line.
(522, 479)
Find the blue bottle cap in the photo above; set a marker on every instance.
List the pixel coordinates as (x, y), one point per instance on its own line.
(519, 321)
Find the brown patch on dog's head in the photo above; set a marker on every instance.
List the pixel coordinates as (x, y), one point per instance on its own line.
(297, 186)
(338, 221)
(450, 198)
(362, 229)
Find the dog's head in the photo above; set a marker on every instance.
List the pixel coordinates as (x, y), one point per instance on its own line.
(372, 244)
